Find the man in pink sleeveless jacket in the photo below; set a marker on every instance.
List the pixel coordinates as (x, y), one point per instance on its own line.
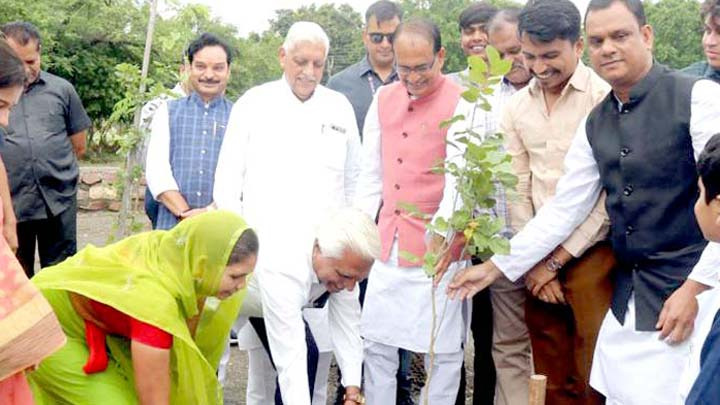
(403, 142)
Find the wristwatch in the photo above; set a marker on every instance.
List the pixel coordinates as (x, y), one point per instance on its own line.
(358, 398)
(553, 264)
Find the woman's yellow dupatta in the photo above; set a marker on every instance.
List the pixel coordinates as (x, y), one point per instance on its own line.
(158, 277)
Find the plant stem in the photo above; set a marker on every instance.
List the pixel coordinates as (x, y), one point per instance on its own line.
(431, 352)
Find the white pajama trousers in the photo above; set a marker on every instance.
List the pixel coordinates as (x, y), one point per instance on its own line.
(381, 364)
(632, 367)
(261, 378)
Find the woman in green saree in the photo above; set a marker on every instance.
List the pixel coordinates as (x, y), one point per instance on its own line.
(183, 283)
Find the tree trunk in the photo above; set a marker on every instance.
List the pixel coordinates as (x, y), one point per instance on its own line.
(131, 158)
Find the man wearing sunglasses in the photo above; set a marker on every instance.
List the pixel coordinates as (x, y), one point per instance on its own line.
(403, 142)
(360, 81)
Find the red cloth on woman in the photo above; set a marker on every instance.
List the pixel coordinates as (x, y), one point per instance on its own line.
(117, 323)
(121, 324)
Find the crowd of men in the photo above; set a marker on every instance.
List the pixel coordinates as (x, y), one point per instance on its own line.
(603, 289)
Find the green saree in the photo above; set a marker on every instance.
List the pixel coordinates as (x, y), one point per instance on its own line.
(156, 277)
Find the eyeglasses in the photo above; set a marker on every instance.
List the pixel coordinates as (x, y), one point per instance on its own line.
(419, 69)
(377, 37)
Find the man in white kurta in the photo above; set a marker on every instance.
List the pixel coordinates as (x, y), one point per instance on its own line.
(291, 155)
(402, 142)
(287, 292)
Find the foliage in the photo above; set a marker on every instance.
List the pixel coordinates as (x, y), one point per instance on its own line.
(678, 31)
(258, 61)
(485, 167)
(482, 170)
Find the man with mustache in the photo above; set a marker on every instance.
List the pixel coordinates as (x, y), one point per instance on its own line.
(710, 68)
(290, 157)
(402, 143)
(639, 145)
(568, 292)
(187, 133)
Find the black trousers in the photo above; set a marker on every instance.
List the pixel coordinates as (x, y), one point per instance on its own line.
(151, 208)
(56, 239)
(312, 355)
(484, 376)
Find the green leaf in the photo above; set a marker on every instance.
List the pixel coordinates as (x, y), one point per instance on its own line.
(410, 257)
(500, 68)
(499, 245)
(441, 225)
(493, 81)
(447, 123)
(413, 210)
(479, 240)
(495, 157)
(471, 94)
(478, 68)
(493, 55)
(429, 261)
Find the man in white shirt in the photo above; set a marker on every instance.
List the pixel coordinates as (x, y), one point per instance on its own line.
(291, 155)
(319, 270)
(147, 113)
(638, 145)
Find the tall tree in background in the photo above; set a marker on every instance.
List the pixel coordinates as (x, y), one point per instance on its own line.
(678, 31)
(257, 61)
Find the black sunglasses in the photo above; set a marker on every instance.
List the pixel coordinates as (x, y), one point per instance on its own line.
(377, 37)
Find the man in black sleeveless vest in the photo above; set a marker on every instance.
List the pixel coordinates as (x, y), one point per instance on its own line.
(640, 146)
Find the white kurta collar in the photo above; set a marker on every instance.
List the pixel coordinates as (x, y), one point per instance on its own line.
(288, 93)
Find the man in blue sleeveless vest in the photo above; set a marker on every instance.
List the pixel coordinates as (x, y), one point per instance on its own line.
(187, 134)
(639, 145)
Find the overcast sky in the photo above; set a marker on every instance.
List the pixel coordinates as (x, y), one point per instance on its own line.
(253, 15)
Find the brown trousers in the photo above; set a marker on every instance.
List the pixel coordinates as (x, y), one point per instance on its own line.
(563, 336)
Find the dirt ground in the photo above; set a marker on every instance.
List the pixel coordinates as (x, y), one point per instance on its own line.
(95, 228)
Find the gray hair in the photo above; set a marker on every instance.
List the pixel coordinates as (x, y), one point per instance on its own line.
(505, 16)
(349, 228)
(306, 31)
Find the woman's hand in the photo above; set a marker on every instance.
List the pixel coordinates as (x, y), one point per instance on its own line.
(152, 373)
